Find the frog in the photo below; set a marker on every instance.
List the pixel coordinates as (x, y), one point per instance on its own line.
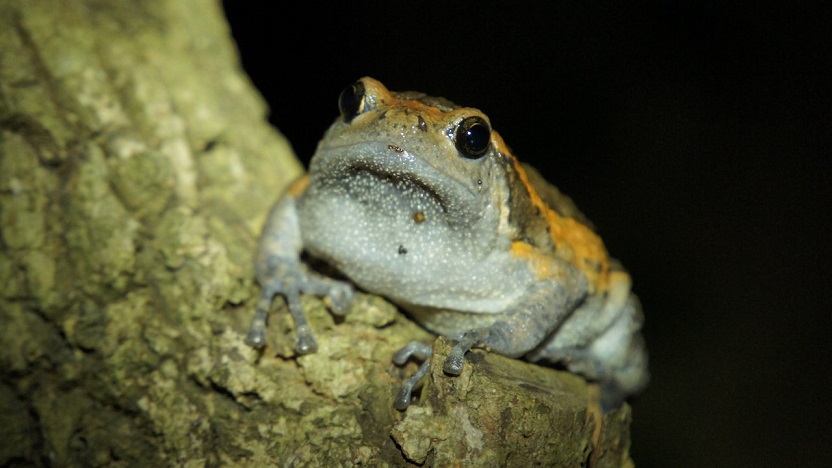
(417, 199)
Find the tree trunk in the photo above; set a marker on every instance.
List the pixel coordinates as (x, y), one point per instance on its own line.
(136, 168)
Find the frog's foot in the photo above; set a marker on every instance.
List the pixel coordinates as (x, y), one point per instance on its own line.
(498, 338)
(290, 286)
(420, 351)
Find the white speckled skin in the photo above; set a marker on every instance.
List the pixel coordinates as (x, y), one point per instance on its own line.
(474, 247)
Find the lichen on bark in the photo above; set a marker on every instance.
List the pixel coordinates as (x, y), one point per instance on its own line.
(136, 168)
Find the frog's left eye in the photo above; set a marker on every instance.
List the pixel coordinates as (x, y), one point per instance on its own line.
(351, 101)
(472, 137)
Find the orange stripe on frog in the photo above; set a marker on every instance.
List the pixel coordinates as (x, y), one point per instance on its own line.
(574, 242)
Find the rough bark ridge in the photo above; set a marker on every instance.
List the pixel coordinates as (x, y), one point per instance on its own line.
(136, 167)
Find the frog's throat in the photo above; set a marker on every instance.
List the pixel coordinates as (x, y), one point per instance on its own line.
(393, 166)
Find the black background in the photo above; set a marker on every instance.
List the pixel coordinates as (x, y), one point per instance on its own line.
(689, 132)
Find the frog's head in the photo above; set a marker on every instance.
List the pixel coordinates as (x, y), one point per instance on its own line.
(415, 143)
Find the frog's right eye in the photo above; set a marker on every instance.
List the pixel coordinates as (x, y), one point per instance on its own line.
(351, 101)
(472, 137)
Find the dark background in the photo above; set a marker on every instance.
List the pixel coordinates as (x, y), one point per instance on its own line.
(689, 132)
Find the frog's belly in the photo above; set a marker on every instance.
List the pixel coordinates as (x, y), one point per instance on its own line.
(422, 262)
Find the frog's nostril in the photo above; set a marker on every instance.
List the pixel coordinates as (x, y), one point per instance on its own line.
(351, 101)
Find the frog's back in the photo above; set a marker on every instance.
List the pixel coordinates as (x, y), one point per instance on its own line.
(561, 203)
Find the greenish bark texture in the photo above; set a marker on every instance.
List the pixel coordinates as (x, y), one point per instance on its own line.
(136, 168)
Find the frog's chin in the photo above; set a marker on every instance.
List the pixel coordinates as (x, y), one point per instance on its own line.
(399, 172)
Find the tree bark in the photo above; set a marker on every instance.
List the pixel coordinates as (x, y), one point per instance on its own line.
(136, 168)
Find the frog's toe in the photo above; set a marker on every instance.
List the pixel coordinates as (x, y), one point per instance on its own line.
(256, 338)
(402, 400)
(414, 348)
(453, 364)
(340, 297)
(305, 342)
(456, 358)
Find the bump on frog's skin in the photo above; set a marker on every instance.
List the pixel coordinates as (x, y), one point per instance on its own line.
(479, 249)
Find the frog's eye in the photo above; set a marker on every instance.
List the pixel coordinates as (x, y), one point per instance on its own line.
(472, 137)
(351, 101)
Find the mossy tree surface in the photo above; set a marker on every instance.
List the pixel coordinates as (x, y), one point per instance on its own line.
(136, 168)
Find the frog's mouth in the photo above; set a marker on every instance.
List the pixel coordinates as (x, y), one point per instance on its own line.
(393, 172)
(401, 183)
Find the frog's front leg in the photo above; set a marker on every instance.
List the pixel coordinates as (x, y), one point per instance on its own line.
(513, 334)
(280, 271)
